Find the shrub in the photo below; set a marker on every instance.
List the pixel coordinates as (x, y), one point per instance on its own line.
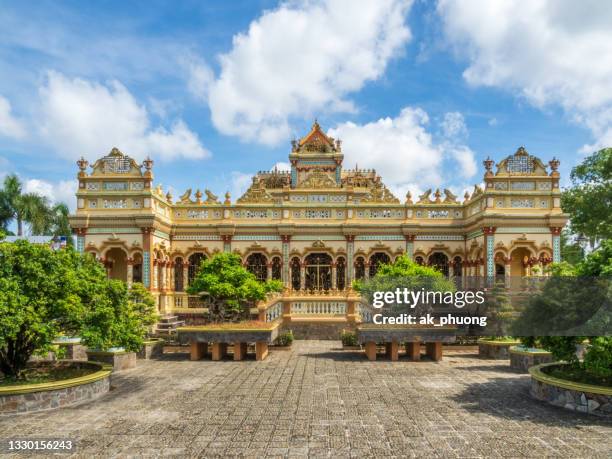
(598, 358)
(528, 341)
(348, 338)
(285, 338)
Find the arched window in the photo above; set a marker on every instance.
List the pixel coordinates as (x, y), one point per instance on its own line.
(359, 268)
(457, 265)
(178, 275)
(276, 268)
(318, 271)
(439, 261)
(257, 263)
(295, 274)
(340, 273)
(377, 259)
(194, 264)
(419, 261)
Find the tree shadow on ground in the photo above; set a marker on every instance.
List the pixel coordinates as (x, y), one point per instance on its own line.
(497, 368)
(509, 398)
(360, 356)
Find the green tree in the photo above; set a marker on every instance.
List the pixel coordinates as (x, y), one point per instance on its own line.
(123, 320)
(572, 251)
(590, 199)
(42, 293)
(27, 208)
(228, 288)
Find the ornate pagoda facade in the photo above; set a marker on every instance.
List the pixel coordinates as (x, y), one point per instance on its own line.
(318, 226)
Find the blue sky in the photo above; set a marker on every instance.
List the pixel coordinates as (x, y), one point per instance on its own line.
(214, 91)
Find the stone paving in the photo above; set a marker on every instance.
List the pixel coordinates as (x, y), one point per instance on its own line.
(317, 400)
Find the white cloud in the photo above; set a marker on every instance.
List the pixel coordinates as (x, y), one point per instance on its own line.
(551, 52)
(402, 151)
(453, 125)
(9, 125)
(79, 117)
(56, 192)
(298, 59)
(282, 166)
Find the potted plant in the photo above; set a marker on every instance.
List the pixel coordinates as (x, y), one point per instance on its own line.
(284, 340)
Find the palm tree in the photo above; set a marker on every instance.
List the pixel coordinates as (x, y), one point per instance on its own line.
(23, 207)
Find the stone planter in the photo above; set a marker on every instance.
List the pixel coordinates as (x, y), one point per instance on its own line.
(523, 358)
(58, 394)
(584, 398)
(117, 359)
(74, 350)
(492, 349)
(151, 348)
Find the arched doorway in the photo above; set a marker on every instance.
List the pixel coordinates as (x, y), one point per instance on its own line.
(377, 259)
(257, 263)
(419, 261)
(457, 267)
(178, 275)
(194, 260)
(276, 268)
(295, 274)
(359, 268)
(340, 273)
(116, 260)
(519, 265)
(318, 271)
(439, 261)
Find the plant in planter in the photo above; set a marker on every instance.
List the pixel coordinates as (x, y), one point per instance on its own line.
(43, 293)
(229, 289)
(348, 338)
(285, 338)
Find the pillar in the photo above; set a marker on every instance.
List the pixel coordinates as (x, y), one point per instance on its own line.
(240, 351)
(334, 274)
(162, 275)
(147, 260)
(198, 350)
(269, 271)
(261, 350)
(219, 351)
(413, 350)
(350, 250)
(556, 243)
(227, 242)
(185, 274)
(286, 277)
(155, 274)
(302, 275)
(370, 350)
(171, 276)
(130, 272)
(489, 234)
(409, 245)
(434, 350)
(367, 270)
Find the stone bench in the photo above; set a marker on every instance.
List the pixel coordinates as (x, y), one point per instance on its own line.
(200, 338)
(391, 337)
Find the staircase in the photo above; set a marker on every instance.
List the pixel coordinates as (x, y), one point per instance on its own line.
(168, 324)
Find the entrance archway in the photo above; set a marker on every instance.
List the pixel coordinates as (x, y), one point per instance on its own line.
(439, 261)
(519, 264)
(318, 271)
(116, 260)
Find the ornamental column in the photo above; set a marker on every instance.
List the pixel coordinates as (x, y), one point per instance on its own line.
(350, 250)
(489, 234)
(147, 261)
(334, 274)
(171, 275)
(80, 240)
(155, 283)
(130, 272)
(508, 270)
(409, 245)
(185, 275)
(269, 270)
(285, 267)
(556, 243)
(227, 242)
(302, 275)
(367, 270)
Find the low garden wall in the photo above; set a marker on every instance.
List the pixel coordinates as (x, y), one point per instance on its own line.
(58, 394)
(151, 348)
(521, 358)
(584, 398)
(492, 349)
(118, 360)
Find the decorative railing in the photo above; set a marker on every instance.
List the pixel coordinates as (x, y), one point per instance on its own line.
(318, 308)
(274, 312)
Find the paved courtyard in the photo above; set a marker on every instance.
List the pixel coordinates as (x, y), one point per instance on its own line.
(320, 401)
